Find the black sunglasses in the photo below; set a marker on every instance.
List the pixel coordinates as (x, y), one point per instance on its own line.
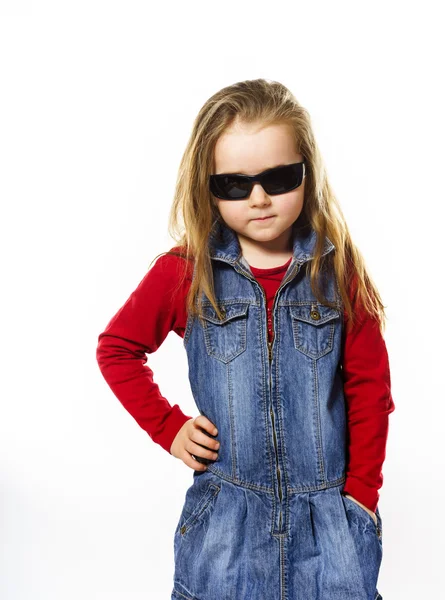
(278, 180)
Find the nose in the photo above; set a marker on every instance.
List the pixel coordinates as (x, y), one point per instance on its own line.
(258, 196)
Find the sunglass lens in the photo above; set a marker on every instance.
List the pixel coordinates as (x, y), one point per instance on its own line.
(283, 179)
(231, 188)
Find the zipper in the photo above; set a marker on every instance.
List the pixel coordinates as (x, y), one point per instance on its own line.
(269, 345)
(273, 426)
(270, 354)
(274, 433)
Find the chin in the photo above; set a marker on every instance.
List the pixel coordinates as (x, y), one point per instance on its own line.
(266, 236)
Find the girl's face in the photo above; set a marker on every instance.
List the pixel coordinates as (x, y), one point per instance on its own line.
(245, 149)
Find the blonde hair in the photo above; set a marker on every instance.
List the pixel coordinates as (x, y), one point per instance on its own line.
(264, 102)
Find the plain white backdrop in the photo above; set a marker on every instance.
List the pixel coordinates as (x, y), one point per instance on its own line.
(97, 101)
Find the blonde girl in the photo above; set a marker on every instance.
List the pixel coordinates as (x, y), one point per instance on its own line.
(283, 329)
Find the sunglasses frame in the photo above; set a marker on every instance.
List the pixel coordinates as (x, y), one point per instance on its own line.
(251, 179)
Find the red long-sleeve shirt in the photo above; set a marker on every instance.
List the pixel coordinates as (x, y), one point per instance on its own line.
(157, 306)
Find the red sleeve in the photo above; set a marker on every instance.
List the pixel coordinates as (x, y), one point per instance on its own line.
(367, 388)
(139, 327)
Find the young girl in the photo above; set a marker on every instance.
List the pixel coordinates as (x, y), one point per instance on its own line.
(282, 326)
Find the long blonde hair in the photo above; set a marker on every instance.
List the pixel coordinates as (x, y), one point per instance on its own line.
(266, 103)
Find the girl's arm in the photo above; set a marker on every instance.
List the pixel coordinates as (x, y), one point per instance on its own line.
(139, 327)
(367, 388)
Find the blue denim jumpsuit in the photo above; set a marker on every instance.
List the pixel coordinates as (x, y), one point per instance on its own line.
(267, 520)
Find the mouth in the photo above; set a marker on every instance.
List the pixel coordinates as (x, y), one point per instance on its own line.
(264, 218)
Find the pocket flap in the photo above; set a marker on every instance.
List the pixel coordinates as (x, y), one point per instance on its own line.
(315, 314)
(230, 311)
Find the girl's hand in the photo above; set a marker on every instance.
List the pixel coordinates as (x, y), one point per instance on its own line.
(373, 515)
(189, 437)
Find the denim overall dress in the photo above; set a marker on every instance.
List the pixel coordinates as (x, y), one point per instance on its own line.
(267, 519)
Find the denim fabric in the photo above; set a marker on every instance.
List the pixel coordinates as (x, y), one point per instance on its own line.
(268, 520)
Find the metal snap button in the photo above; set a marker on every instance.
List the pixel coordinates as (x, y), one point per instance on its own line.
(223, 311)
(315, 314)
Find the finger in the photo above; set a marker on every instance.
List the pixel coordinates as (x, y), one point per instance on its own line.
(198, 450)
(201, 438)
(192, 462)
(203, 422)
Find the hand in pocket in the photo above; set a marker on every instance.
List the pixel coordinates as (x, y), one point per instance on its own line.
(373, 515)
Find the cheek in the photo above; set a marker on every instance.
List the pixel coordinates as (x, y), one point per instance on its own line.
(290, 204)
(230, 210)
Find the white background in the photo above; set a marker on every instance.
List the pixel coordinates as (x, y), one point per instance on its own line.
(97, 101)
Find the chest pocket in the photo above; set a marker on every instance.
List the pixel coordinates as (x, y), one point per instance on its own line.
(313, 328)
(225, 338)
